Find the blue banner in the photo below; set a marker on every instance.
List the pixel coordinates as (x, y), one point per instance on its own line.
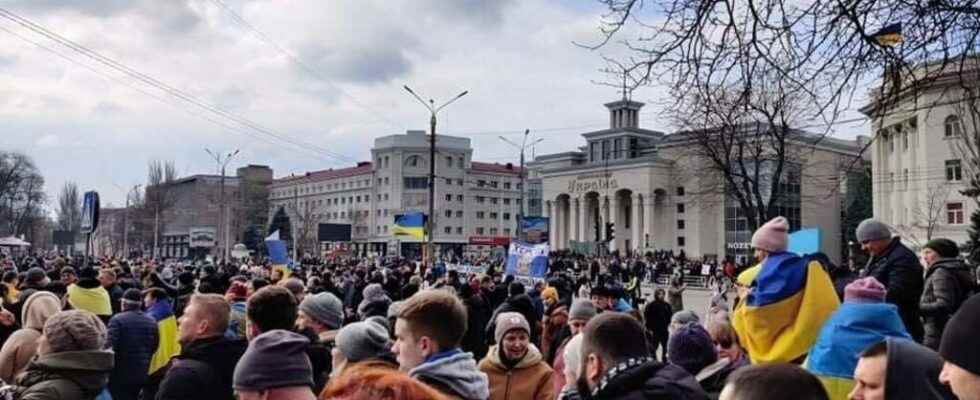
(534, 229)
(805, 241)
(528, 260)
(277, 252)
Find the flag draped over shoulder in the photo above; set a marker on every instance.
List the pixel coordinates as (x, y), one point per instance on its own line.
(790, 299)
(409, 224)
(163, 313)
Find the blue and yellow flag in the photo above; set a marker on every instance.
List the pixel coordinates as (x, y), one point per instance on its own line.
(889, 36)
(163, 313)
(410, 224)
(790, 299)
(277, 256)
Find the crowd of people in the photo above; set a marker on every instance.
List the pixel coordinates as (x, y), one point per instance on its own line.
(793, 327)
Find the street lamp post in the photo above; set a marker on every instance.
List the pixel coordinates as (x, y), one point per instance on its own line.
(433, 110)
(522, 147)
(223, 222)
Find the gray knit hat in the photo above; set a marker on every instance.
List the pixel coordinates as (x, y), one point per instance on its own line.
(394, 309)
(581, 309)
(684, 317)
(374, 292)
(363, 340)
(74, 330)
(872, 229)
(325, 308)
(508, 321)
(274, 359)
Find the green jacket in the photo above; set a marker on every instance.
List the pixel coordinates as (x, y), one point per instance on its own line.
(70, 375)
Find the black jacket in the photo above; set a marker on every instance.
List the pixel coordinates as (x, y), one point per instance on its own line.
(203, 370)
(948, 284)
(648, 379)
(899, 270)
(656, 317)
(133, 338)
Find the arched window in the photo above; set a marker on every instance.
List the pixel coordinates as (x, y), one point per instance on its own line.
(414, 161)
(953, 126)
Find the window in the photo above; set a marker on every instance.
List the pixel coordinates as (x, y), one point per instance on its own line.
(386, 161)
(448, 230)
(506, 231)
(459, 214)
(605, 149)
(593, 150)
(377, 213)
(954, 213)
(358, 199)
(386, 178)
(459, 229)
(680, 241)
(954, 171)
(506, 185)
(481, 183)
(493, 215)
(449, 181)
(459, 182)
(385, 229)
(480, 199)
(506, 201)
(617, 148)
(493, 200)
(449, 163)
(905, 140)
(905, 177)
(459, 165)
(386, 196)
(953, 126)
(680, 190)
(449, 213)
(480, 214)
(493, 184)
(459, 198)
(449, 197)
(506, 216)
(379, 181)
(416, 182)
(386, 212)
(680, 224)
(493, 231)
(634, 146)
(680, 208)
(479, 230)
(414, 161)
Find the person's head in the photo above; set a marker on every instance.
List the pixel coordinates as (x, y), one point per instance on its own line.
(549, 296)
(681, 318)
(36, 277)
(601, 298)
(256, 284)
(609, 339)
(429, 322)
(295, 286)
(573, 360)
(516, 288)
(72, 330)
(937, 249)
(205, 316)
(291, 377)
(376, 383)
(154, 295)
(68, 275)
(959, 350)
(272, 307)
(659, 294)
(771, 237)
(725, 339)
(773, 381)
(865, 290)
(131, 299)
(107, 277)
(898, 368)
(690, 347)
(320, 312)
(874, 236)
(512, 335)
(579, 314)
(237, 291)
(10, 278)
(869, 374)
(359, 341)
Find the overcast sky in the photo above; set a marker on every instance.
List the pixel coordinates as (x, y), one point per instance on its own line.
(100, 128)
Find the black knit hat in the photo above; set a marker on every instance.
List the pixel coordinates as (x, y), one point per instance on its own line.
(284, 350)
(959, 344)
(945, 247)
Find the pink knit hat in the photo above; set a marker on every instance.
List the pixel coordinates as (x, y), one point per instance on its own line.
(865, 290)
(773, 236)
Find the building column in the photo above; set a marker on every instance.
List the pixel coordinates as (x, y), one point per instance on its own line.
(648, 219)
(614, 217)
(576, 219)
(605, 218)
(552, 223)
(583, 223)
(636, 223)
(560, 216)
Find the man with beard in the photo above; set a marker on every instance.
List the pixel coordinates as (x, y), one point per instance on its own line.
(617, 364)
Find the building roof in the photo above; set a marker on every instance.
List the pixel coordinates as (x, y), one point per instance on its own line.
(364, 167)
(496, 168)
(609, 131)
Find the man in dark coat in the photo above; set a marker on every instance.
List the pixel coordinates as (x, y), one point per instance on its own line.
(133, 338)
(207, 360)
(656, 317)
(896, 267)
(949, 282)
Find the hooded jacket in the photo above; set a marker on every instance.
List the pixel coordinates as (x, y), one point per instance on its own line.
(645, 378)
(529, 379)
(21, 346)
(948, 284)
(455, 375)
(912, 372)
(203, 370)
(69, 375)
(899, 270)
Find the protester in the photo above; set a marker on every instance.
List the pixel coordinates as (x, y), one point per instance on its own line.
(133, 337)
(71, 363)
(675, 293)
(896, 267)
(948, 283)
(236, 296)
(274, 307)
(89, 295)
(681, 318)
(514, 366)
(726, 342)
(375, 302)
(656, 318)
(555, 320)
(294, 286)
(572, 354)
(773, 381)
(790, 299)
(107, 278)
(691, 348)
(203, 369)
(159, 308)
(363, 342)
(367, 383)
(899, 368)
(21, 346)
(959, 350)
(275, 367)
(428, 333)
(579, 314)
(477, 317)
(616, 364)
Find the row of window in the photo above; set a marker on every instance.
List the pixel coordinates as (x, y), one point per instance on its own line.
(494, 200)
(613, 149)
(418, 161)
(495, 184)
(312, 189)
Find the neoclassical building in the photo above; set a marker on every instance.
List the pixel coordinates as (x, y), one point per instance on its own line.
(655, 189)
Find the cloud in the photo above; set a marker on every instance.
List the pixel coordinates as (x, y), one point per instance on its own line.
(362, 64)
(49, 140)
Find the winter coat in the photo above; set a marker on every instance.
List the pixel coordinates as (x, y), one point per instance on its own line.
(69, 375)
(530, 379)
(949, 282)
(115, 295)
(556, 319)
(454, 374)
(203, 370)
(656, 317)
(675, 296)
(899, 270)
(712, 378)
(236, 321)
(21, 346)
(647, 379)
(520, 304)
(133, 337)
(478, 315)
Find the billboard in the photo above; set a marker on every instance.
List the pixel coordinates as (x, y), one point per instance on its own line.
(534, 229)
(90, 212)
(333, 233)
(202, 237)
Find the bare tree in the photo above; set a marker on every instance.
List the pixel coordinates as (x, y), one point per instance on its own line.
(158, 197)
(69, 207)
(926, 216)
(307, 216)
(22, 197)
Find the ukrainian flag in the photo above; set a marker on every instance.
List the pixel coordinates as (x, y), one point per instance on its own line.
(410, 224)
(789, 301)
(277, 256)
(163, 313)
(889, 36)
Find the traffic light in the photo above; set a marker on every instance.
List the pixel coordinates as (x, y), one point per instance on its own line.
(610, 231)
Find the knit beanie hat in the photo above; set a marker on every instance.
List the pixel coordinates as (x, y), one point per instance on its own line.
(131, 298)
(549, 293)
(945, 247)
(685, 317)
(374, 292)
(363, 340)
(35, 275)
(508, 321)
(865, 290)
(74, 330)
(959, 344)
(274, 359)
(691, 348)
(872, 229)
(773, 236)
(581, 309)
(394, 309)
(325, 308)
